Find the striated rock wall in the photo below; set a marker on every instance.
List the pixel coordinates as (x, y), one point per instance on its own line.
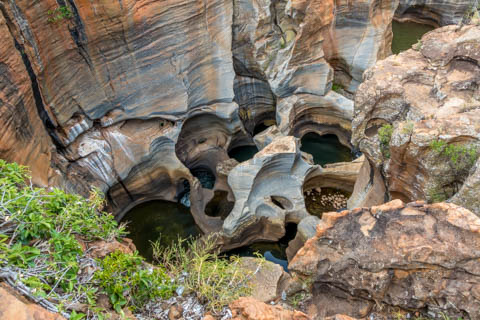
(132, 96)
(109, 90)
(434, 12)
(23, 137)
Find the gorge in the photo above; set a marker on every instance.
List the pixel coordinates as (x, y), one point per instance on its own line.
(308, 130)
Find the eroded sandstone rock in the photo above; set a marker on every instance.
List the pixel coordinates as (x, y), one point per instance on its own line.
(414, 256)
(14, 306)
(247, 308)
(428, 96)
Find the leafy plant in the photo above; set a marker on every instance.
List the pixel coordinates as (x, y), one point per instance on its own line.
(39, 238)
(128, 283)
(460, 158)
(59, 14)
(337, 87)
(385, 135)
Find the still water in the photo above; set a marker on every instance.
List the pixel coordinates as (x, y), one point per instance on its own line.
(243, 153)
(325, 149)
(406, 34)
(160, 220)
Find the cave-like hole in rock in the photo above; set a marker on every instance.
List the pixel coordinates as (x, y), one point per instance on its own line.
(219, 206)
(319, 200)
(325, 149)
(205, 176)
(272, 251)
(161, 221)
(406, 34)
(263, 126)
(243, 153)
(282, 202)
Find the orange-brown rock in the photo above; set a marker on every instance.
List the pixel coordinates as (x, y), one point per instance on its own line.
(247, 308)
(23, 136)
(412, 256)
(15, 307)
(101, 248)
(430, 94)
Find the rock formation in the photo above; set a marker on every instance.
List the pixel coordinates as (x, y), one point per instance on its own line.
(434, 12)
(414, 256)
(431, 97)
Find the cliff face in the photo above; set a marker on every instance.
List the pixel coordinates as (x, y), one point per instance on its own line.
(431, 98)
(114, 82)
(130, 96)
(435, 12)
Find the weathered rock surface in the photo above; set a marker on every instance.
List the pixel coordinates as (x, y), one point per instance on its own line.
(268, 192)
(23, 137)
(14, 306)
(413, 256)
(436, 12)
(268, 280)
(428, 95)
(248, 308)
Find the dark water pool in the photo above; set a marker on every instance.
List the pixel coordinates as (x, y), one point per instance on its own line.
(243, 153)
(325, 149)
(272, 251)
(406, 34)
(205, 176)
(158, 220)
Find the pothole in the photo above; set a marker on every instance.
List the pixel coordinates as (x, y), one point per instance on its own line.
(205, 176)
(406, 34)
(219, 206)
(325, 149)
(243, 153)
(321, 200)
(272, 251)
(158, 220)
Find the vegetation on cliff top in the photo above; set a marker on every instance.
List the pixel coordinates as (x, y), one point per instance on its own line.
(42, 254)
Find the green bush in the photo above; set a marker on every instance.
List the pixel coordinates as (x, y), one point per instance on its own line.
(39, 240)
(385, 135)
(337, 87)
(128, 283)
(460, 158)
(59, 14)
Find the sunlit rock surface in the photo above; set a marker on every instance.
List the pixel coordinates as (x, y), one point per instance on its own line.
(427, 95)
(411, 256)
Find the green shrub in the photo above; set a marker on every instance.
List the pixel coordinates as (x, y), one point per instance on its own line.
(385, 135)
(59, 14)
(337, 87)
(460, 158)
(39, 232)
(129, 283)
(215, 280)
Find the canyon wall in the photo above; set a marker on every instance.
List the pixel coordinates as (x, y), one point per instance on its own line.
(430, 98)
(133, 96)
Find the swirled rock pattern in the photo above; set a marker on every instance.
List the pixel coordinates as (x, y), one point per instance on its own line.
(436, 12)
(132, 96)
(428, 96)
(413, 256)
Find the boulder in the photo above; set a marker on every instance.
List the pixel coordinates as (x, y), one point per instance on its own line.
(267, 281)
(15, 306)
(412, 256)
(247, 308)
